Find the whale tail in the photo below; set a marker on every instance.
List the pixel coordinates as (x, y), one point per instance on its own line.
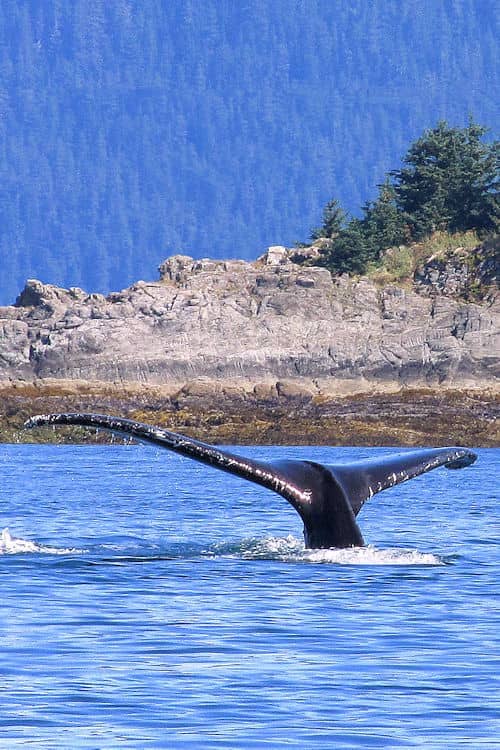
(327, 497)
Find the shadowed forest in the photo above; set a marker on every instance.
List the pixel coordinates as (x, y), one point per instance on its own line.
(130, 131)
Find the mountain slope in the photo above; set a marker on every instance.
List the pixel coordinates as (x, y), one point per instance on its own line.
(132, 130)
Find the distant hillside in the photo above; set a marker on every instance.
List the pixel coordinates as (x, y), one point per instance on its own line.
(129, 131)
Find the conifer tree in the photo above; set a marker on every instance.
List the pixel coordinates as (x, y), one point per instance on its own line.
(350, 251)
(383, 222)
(334, 218)
(449, 181)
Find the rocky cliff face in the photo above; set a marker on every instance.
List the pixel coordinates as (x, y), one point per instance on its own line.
(263, 322)
(465, 274)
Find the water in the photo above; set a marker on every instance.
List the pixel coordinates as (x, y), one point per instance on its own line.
(151, 602)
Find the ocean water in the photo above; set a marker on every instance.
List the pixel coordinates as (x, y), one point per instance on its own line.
(151, 602)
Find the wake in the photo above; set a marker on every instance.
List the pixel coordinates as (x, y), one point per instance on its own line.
(287, 550)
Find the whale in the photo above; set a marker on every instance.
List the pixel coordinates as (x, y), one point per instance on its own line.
(328, 498)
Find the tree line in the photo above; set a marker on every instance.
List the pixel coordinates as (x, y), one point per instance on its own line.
(130, 131)
(449, 181)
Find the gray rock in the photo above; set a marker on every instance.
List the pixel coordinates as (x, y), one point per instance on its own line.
(469, 274)
(263, 323)
(276, 255)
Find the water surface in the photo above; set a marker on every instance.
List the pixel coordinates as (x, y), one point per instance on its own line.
(151, 602)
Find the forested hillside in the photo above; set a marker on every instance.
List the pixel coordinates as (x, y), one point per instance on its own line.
(129, 131)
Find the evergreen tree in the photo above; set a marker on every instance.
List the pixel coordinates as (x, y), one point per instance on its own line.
(383, 222)
(449, 181)
(334, 218)
(350, 251)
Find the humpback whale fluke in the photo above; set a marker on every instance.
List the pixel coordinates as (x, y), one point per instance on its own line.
(327, 498)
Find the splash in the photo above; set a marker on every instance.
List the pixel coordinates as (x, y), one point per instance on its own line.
(283, 549)
(371, 556)
(11, 545)
(290, 549)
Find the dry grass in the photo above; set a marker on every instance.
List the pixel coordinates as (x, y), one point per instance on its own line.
(398, 264)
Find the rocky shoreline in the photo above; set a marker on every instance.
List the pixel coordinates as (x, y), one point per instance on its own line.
(267, 352)
(203, 410)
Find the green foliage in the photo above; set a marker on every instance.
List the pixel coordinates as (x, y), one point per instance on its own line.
(334, 219)
(449, 183)
(350, 251)
(361, 241)
(383, 222)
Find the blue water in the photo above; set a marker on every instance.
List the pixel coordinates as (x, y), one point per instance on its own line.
(151, 602)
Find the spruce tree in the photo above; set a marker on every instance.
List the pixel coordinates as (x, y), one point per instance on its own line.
(383, 223)
(350, 251)
(334, 218)
(449, 181)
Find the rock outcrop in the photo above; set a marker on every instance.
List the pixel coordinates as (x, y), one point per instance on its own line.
(461, 273)
(265, 323)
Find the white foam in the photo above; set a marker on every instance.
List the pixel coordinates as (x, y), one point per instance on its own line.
(11, 545)
(283, 549)
(290, 549)
(371, 556)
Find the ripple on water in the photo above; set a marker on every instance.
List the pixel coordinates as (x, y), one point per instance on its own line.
(291, 549)
(154, 602)
(284, 549)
